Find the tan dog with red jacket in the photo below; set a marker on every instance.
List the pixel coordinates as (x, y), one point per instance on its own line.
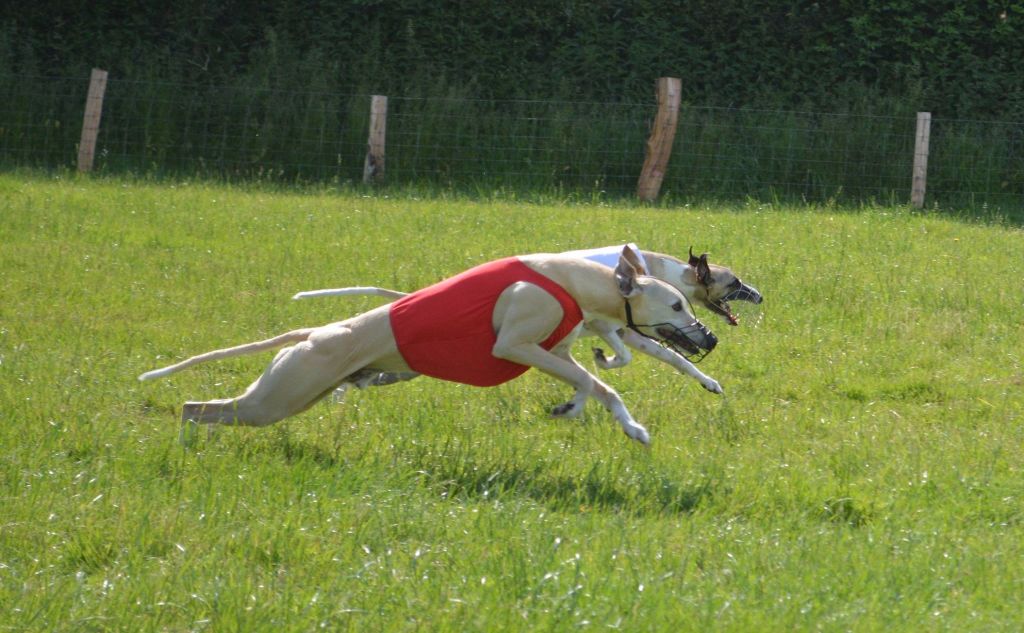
(523, 317)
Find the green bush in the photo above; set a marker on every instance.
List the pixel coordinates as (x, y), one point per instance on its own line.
(955, 58)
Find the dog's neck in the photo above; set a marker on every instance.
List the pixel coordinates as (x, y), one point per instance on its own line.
(591, 285)
(600, 308)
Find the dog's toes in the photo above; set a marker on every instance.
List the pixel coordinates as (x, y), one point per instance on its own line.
(713, 386)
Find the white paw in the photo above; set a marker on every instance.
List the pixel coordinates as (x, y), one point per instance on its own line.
(712, 385)
(637, 432)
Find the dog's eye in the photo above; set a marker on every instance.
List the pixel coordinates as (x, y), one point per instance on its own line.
(678, 306)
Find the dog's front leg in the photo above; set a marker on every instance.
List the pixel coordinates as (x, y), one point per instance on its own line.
(567, 369)
(534, 355)
(611, 400)
(525, 315)
(610, 335)
(651, 348)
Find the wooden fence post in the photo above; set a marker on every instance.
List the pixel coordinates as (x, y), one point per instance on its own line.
(920, 180)
(91, 120)
(373, 168)
(659, 145)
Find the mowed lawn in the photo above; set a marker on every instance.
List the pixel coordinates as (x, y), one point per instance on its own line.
(862, 472)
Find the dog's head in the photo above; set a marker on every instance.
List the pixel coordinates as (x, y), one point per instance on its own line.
(715, 286)
(660, 311)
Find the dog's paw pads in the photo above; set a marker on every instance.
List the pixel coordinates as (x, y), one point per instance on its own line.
(602, 360)
(565, 410)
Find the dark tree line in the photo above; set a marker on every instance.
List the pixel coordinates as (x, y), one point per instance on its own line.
(953, 57)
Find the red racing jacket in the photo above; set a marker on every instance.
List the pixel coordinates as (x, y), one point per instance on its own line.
(445, 330)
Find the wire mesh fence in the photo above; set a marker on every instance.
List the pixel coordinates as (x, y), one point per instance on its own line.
(256, 132)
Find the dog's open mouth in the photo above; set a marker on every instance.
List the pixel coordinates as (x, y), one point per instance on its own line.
(723, 308)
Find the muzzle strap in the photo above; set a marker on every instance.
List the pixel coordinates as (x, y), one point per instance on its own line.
(629, 320)
(692, 357)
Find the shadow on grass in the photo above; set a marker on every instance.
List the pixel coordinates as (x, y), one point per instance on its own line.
(600, 489)
(458, 474)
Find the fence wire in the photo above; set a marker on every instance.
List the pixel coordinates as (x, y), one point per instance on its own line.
(256, 132)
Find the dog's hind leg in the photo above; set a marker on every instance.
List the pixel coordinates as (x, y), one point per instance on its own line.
(297, 378)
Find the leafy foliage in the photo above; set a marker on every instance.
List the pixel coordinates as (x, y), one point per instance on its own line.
(952, 57)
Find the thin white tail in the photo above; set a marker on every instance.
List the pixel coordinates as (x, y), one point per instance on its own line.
(353, 290)
(294, 336)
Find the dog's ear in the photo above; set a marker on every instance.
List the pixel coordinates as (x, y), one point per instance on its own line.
(703, 270)
(693, 260)
(634, 259)
(625, 276)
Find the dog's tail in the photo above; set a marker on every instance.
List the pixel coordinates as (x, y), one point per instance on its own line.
(353, 290)
(294, 336)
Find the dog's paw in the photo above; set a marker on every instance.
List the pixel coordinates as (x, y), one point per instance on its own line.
(338, 395)
(712, 385)
(637, 432)
(604, 362)
(566, 410)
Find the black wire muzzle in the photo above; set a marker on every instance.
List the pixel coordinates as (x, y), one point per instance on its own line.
(677, 339)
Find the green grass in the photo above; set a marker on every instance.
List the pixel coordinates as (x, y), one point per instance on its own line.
(863, 471)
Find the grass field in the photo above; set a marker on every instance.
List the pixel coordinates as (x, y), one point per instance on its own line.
(863, 471)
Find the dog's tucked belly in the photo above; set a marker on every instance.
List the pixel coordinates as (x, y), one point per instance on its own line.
(445, 330)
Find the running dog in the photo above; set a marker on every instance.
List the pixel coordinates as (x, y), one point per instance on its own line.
(711, 285)
(482, 327)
